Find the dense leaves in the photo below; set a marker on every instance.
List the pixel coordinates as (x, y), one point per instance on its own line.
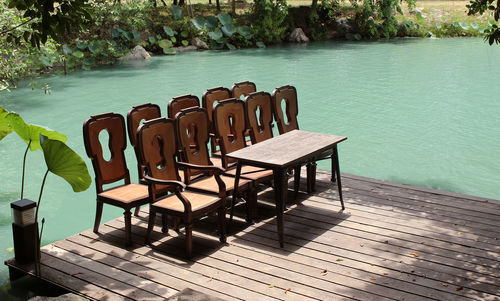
(492, 34)
(49, 18)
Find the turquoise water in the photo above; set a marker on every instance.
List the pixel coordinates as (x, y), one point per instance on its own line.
(417, 111)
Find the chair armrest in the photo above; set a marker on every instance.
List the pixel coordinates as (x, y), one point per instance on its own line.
(215, 169)
(177, 184)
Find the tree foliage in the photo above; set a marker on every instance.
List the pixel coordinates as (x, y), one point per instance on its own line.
(492, 34)
(47, 18)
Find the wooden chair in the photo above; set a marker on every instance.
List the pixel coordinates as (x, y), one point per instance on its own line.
(193, 123)
(208, 100)
(137, 114)
(230, 127)
(259, 118)
(112, 170)
(176, 104)
(287, 121)
(157, 143)
(242, 88)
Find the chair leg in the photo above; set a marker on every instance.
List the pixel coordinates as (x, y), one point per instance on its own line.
(98, 214)
(296, 181)
(128, 227)
(164, 223)
(151, 223)
(189, 239)
(251, 201)
(137, 209)
(221, 214)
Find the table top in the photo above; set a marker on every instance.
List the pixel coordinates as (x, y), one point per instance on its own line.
(287, 149)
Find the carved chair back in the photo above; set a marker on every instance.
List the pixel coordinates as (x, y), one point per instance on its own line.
(115, 168)
(287, 119)
(135, 116)
(259, 116)
(242, 88)
(176, 104)
(229, 121)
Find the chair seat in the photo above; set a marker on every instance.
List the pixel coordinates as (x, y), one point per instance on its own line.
(126, 194)
(210, 184)
(198, 201)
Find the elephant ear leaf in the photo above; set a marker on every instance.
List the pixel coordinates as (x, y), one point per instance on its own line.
(5, 128)
(30, 132)
(64, 162)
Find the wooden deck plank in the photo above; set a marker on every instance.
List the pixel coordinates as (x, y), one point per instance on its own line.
(200, 267)
(393, 241)
(278, 279)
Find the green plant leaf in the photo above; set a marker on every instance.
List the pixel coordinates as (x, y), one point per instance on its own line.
(176, 11)
(165, 44)
(357, 36)
(116, 32)
(30, 132)
(5, 128)
(228, 30)
(474, 26)
(225, 19)
(438, 26)
(64, 162)
(230, 46)
(152, 40)
(215, 35)
(211, 22)
(82, 45)
(245, 31)
(260, 44)
(184, 43)
(168, 31)
(67, 50)
(464, 25)
(78, 54)
(173, 39)
(169, 51)
(199, 22)
(420, 17)
(184, 34)
(136, 34)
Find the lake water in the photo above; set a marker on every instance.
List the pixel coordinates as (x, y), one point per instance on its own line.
(417, 111)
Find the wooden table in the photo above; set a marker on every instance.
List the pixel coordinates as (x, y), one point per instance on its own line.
(285, 151)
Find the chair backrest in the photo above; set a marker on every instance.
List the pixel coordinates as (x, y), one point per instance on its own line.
(115, 168)
(210, 97)
(158, 148)
(229, 121)
(176, 104)
(193, 136)
(259, 116)
(287, 120)
(242, 88)
(138, 113)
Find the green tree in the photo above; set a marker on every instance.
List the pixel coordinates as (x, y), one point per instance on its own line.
(47, 18)
(492, 35)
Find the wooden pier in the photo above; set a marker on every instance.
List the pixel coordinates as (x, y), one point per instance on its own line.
(393, 242)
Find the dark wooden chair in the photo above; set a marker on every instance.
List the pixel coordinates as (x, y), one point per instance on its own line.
(242, 89)
(176, 104)
(287, 121)
(193, 123)
(157, 142)
(259, 117)
(135, 116)
(113, 169)
(208, 100)
(230, 127)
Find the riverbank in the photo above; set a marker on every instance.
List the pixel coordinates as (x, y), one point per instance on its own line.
(119, 27)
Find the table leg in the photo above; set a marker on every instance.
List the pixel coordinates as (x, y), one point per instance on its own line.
(280, 192)
(235, 191)
(334, 169)
(335, 161)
